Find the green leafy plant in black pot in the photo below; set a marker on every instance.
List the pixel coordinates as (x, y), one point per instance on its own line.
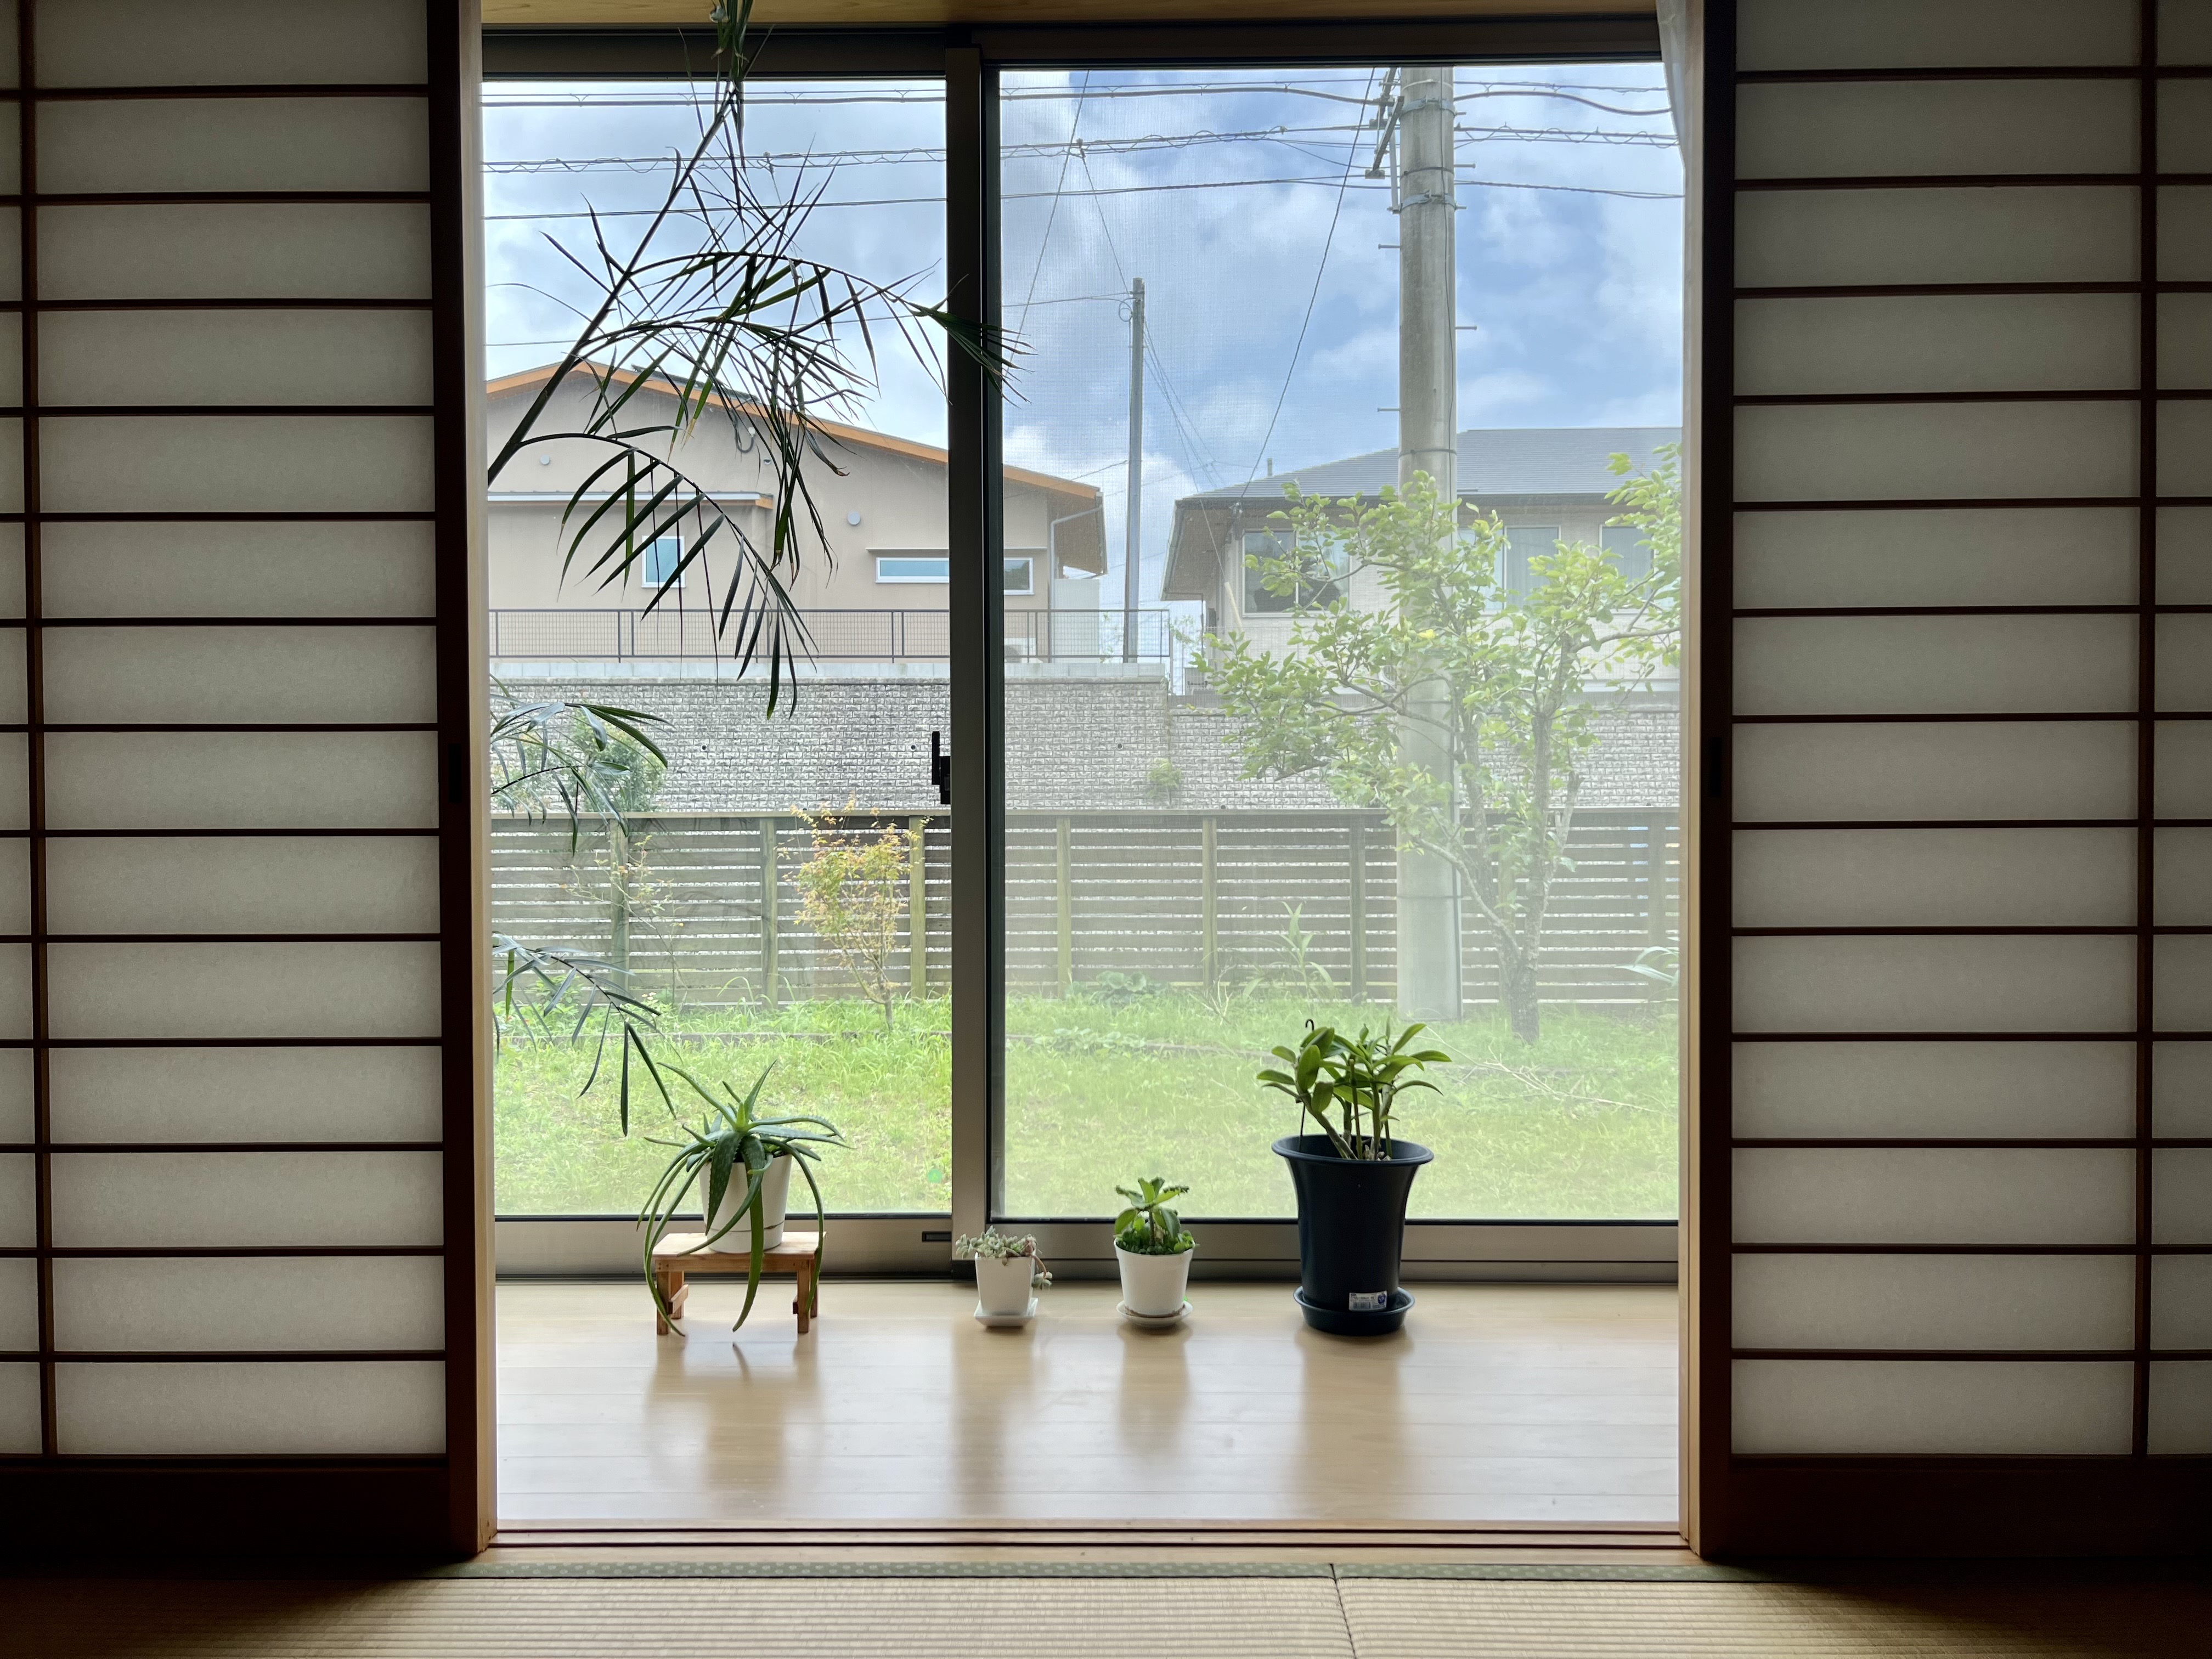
(740, 1163)
(1352, 1176)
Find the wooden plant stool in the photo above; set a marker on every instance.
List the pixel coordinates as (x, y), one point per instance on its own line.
(678, 1255)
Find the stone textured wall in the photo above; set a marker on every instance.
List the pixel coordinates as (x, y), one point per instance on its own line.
(1073, 744)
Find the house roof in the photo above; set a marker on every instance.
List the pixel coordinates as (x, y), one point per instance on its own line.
(1498, 466)
(1553, 460)
(857, 435)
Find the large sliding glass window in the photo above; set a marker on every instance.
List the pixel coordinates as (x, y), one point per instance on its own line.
(777, 892)
(1357, 700)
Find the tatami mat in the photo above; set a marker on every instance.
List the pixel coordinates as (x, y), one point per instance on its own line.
(1319, 1616)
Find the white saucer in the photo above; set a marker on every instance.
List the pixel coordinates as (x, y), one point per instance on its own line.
(1006, 1321)
(1153, 1322)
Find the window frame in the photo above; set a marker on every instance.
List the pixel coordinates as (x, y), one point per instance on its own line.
(969, 60)
(882, 557)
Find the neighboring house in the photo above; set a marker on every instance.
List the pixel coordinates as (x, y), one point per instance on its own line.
(881, 503)
(1547, 485)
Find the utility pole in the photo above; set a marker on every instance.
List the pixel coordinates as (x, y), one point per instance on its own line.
(1429, 932)
(1132, 554)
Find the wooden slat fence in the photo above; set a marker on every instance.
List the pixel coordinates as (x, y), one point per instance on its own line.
(1186, 899)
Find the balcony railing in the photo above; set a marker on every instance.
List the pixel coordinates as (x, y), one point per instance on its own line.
(861, 636)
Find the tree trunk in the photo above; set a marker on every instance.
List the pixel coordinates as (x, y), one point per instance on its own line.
(1516, 979)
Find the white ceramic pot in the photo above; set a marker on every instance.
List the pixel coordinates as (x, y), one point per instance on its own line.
(1002, 1284)
(775, 1194)
(1152, 1286)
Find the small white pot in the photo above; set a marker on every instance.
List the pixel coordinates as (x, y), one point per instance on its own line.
(1002, 1284)
(1152, 1286)
(775, 1195)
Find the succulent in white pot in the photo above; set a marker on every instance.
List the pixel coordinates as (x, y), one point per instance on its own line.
(1008, 1270)
(1153, 1251)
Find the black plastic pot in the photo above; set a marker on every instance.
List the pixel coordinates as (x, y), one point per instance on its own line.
(1351, 1233)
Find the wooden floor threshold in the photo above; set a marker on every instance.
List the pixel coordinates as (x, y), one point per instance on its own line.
(1134, 1541)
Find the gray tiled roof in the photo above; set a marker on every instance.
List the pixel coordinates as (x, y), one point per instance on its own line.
(1558, 460)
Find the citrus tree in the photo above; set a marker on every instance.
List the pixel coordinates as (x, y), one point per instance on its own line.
(1420, 634)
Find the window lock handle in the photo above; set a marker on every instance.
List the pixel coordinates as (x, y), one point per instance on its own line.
(940, 768)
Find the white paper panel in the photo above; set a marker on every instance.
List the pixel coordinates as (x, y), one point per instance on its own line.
(1927, 1407)
(11, 242)
(11, 171)
(11, 361)
(1933, 1195)
(2075, 769)
(240, 884)
(15, 991)
(19, 1306)
(2181, 1196)
(189, 1200)
(2185, 126)
(152, 144)
(253, 1407)
(233, 43)
(1937, 342)
(2181, 979)
(2185, 341)
(1869, 129)
(1935, 877)
(1936, 664)
(11, 685)
(2181, 1302)
(2181, 1089)
(106, 991)
(19, 1408)
(1933, 452)
(1940, 984)
(1899, 1301)
(282, 675)
(11, 570)
(237, 250)
(238, 569)
(2022, 233)
(1934, 1089)
(2183, 787)
(246, 1094)
(2184, 233)
(9, 24)
(262, 780)
(2185, 447)
(11, 467)
(16, 1111)
(2185, 555)
(19, 1221)
(1791, 34)
(2184, 31)
(237, 463)
(2180, 1408)
(212, 1305)
(15, 887)
(1941, 556)
(217, 357)
(2182, 871)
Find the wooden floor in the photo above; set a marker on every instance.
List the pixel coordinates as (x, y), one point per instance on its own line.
(1541, 1404)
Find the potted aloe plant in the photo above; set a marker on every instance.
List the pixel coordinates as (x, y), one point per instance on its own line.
(1008, 1274)
(1353, 1177)
(1154, 1253)
(732, 1160)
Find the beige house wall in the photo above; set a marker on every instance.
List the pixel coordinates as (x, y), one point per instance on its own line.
(894, 487)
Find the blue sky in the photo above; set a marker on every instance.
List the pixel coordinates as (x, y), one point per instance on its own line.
(1570, 250)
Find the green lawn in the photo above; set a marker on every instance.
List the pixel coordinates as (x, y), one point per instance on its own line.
(1582, 1124)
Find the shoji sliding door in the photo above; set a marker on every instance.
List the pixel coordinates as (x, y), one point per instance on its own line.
(239, 1179)
(1953, 1165)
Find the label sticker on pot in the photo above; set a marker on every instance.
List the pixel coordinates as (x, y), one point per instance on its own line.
(1370, 1301)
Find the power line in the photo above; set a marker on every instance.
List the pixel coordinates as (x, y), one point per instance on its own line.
(1465, 182)
(1291, 369)
(1045, 241)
